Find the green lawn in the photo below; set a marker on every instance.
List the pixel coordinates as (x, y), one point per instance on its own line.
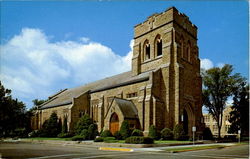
(48, 138)
(194, 148)
(169, 141)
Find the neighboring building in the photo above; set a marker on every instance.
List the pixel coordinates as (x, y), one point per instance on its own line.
(212, 124)
(162, 89)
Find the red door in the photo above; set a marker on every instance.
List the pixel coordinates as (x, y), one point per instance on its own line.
(114, 123)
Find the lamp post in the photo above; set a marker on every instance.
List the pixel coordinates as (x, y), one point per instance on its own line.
(194, 130)
(239, 131)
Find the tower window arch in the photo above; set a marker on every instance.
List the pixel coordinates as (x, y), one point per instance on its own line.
(146, 50)
(158, 45)
(189, 51)
(182, 47)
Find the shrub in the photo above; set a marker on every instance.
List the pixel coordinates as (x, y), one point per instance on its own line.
(137, 132)
(152, 132)
(118, 135)
(139, 140)
(92, 131)
(85, 134)
(166, 134)
(207, 134)
(107, 139)
(230, 138)
(20, 132)
(106, 133)
(99, 139)
(77, 138)
(179, 133)
(83, 123)
(148, 140)
(125, 132)
(33, 133)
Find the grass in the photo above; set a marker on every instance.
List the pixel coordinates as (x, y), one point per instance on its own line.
(194, 148)
(49, 138)
(170, 141)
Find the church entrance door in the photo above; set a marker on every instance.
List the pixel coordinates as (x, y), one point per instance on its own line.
(185, 121)
(114, 123)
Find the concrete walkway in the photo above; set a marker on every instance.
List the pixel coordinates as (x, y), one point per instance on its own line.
(180, 146)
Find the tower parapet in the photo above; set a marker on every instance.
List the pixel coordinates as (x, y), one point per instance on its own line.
(171, 15)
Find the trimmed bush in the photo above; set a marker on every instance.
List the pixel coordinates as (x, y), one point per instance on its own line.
(139, 140)
(107, 139)
(152, 132)
(77, 138)
(166, 134)
(179, 133)
(148, 140)
(118, 135)
(207, 134)
(99, 139)
(125, 132)
(137, 132)
(106, 133)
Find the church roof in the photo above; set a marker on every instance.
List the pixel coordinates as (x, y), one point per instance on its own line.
(127, 107)
(65, 97)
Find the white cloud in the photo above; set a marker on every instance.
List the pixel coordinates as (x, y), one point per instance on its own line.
(33, 67)
(84, 39)
(220, 65)
(206, 64)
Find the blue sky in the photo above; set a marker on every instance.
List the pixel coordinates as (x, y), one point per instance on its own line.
(48, 46)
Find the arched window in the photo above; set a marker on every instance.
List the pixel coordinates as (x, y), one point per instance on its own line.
(182, 47)
(189, 51)
(158, 45)
(146, 50)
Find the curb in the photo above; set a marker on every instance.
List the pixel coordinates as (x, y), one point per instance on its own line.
(116, 149)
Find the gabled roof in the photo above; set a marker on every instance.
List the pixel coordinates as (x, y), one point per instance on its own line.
(66, 96)
(127, 108)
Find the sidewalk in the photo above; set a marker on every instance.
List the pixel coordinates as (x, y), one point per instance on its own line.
(179, 146)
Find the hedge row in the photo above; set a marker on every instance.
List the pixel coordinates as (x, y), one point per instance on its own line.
(139, 140)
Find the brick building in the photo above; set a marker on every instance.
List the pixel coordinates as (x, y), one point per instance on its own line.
(162, 89)
(211, 123)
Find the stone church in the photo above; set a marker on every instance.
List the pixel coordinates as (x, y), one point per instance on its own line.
(162, 89)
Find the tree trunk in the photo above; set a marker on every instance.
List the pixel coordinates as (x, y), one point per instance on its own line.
(219, 129)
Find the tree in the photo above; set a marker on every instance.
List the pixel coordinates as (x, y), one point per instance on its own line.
(125, 132)
(12, 112)
(218, 85)
(92, 131)
(239, 116)
(37, 103)
(83, 123)
(51, 127)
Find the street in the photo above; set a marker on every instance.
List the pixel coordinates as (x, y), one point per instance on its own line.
(20, 150)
